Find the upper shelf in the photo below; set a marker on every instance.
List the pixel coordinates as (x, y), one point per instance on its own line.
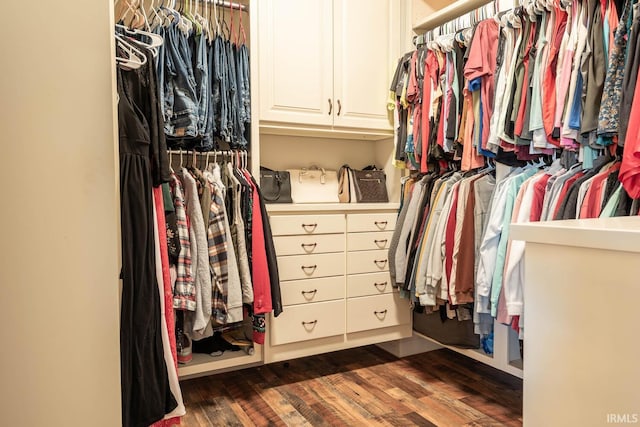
(273, 128)
(617, 234)
(447, 14)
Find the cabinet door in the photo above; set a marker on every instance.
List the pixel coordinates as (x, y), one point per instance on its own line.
(365, 36)
(296, 66)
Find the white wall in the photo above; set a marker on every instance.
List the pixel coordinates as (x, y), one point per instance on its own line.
(59, 257)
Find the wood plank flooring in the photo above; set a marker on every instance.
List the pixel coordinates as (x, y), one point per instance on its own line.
(360, 387)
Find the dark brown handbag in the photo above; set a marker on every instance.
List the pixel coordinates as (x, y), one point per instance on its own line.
(275, 186)
(370, 185)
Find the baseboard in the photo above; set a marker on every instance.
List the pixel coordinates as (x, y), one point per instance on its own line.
(409, 346)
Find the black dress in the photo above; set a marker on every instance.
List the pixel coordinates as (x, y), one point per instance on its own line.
(146, 396)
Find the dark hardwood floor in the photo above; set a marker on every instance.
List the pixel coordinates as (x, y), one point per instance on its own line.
(364, 386)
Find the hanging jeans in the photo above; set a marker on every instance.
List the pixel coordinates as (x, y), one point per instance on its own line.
(181, 86)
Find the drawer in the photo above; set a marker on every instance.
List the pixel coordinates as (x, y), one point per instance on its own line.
(375, 312)
(296, 267)
(369, 241)
(308, 322)
(367, 262)
(360, 285)
(371, 222)
(312, 290)
(288, 225)
(301, 245)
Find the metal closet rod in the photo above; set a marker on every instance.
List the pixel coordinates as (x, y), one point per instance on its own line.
(204, 153)
(227, 4)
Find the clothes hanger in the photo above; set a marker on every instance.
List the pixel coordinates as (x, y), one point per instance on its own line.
(156, 40)
(231, 33)
(190, 16)
(135, 57)
(225, 26)
(244, 34)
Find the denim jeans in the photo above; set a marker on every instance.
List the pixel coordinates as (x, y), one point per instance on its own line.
(222, 81)
(181, 84)
(244, 95)
(201, 74)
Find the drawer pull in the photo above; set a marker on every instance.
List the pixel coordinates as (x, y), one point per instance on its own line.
(309, 228)
(309, 247)
(306, 269)
(312, 293)
(380, 286)
(309, 325)
(381, 263)
(380, 314)
(381, 224)
(381, 243)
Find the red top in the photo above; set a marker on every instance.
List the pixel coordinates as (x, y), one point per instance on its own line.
(630, 168)
(539, 190)
(565, 189)
(259, 266)
(168, 292)
(591, 205)
(549, 78)
(482, 64)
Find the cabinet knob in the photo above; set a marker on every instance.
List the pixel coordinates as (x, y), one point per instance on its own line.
(309, 325)
(381, 243)
(308, 269)
(381, 263)
(309, 228)
(381, 224)
(380, 314)
(330, 106)
(309, 247)
(311, 293)
(339, 107)
(380, 286)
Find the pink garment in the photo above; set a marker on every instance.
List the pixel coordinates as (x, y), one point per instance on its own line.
(412, 94)
(630, 169)
(592, 205)
(564, 77)
(430, 76)
(168, 292)
(482, 64)
(259, 267)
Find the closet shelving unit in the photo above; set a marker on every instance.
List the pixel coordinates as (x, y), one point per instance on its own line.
(204, 364)
(506, 351)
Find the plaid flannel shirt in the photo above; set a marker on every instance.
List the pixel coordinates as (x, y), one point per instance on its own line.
(184, 292)
(218, 252)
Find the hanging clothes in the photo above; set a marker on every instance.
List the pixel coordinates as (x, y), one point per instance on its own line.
(146, 394)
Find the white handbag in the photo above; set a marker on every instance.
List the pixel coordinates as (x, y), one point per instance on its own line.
(314, 185)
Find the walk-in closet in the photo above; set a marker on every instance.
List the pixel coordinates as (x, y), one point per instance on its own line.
(320, 213)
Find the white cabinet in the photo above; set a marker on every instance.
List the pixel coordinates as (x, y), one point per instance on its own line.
(335, 284)
(328, 63)
(295, 60)
(581, 346)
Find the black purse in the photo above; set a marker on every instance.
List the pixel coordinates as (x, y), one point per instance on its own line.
(275, 186)
(370, 185)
